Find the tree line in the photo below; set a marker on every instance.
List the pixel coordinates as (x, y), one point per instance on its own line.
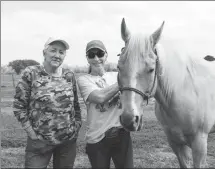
(19, 65)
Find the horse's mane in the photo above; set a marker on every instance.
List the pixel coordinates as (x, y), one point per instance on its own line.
(179, 70)
(182, 71)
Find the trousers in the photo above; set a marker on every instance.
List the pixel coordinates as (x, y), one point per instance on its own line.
(38, 154)
(116, 145)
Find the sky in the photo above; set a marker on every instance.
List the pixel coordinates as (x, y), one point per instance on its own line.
(26, 25)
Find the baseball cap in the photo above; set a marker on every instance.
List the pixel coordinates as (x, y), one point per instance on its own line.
(50, 40)
(95, 44)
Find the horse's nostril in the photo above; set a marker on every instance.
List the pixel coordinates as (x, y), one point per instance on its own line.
(120, 119)
(136, 119)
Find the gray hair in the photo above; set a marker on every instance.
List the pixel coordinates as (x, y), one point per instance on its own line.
(45, 48)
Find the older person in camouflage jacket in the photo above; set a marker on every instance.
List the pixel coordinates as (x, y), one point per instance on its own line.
(46, 104)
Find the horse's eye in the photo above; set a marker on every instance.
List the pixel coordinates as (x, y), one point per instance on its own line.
(151, 70)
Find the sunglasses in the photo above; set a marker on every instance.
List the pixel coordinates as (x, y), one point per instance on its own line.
(99, 54)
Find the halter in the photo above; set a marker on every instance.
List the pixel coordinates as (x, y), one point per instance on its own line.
(145, 96)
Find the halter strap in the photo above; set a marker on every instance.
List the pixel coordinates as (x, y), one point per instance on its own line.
(145, 96)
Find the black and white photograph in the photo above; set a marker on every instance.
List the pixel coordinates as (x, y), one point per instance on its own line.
(107, 84)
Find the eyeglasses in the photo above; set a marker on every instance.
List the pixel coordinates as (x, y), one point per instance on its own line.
(99, 54)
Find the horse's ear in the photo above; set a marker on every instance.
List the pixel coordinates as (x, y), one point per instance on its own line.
(124, 31)
(209, 58)
(155, 37)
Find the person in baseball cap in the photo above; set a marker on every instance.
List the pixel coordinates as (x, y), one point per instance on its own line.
(47, 106)
(96, 53)
(54, 53)
(100, 92)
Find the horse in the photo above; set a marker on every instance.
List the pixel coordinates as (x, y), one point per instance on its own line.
(183, 88)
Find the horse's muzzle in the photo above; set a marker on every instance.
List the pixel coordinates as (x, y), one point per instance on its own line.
(131, 123)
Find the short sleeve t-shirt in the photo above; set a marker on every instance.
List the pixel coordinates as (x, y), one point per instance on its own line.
(100, 117)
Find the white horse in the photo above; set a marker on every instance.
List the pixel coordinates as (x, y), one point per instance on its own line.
(182, 86)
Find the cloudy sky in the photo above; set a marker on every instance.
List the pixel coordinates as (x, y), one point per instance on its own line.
(25, 26)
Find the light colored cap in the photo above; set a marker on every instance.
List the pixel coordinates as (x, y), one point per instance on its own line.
(50, 40)
(95, 44)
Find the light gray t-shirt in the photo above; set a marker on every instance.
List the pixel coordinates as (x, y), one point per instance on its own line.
(100, 117)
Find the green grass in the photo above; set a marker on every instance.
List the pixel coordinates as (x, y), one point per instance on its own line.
(150, 144)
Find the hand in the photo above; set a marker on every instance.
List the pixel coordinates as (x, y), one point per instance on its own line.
(100, 84)
(31, 133)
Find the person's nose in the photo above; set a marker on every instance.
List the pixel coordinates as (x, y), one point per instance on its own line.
(57, 55)
(96, 57)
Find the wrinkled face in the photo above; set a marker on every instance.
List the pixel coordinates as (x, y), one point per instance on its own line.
(54, 55)
(96, 58)
(137, 72)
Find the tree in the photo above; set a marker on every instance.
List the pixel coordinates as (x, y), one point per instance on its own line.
(19, 65)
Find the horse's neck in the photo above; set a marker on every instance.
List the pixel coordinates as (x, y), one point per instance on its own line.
(160, 94)
(170, 76)
(165, 91)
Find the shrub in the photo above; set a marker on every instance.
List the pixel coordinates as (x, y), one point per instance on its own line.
(109, 67)
(19, 65)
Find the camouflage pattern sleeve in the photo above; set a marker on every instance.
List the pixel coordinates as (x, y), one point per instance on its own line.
(70, 76)
(22, 98)
(76, 104)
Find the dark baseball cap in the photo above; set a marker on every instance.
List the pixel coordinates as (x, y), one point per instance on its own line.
(96, 44)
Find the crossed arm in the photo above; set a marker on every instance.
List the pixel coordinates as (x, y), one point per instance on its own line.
(103, 95)
(95, 93)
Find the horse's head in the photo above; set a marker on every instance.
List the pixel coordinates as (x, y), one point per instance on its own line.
(137, 78)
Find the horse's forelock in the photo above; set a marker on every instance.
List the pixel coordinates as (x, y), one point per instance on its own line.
(137, 47)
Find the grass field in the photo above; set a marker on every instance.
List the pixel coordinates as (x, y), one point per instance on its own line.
(150, 145)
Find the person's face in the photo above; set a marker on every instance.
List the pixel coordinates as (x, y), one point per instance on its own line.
(96, 57)
(55, 54)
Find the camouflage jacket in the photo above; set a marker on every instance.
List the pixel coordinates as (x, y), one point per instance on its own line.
(49, 104)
